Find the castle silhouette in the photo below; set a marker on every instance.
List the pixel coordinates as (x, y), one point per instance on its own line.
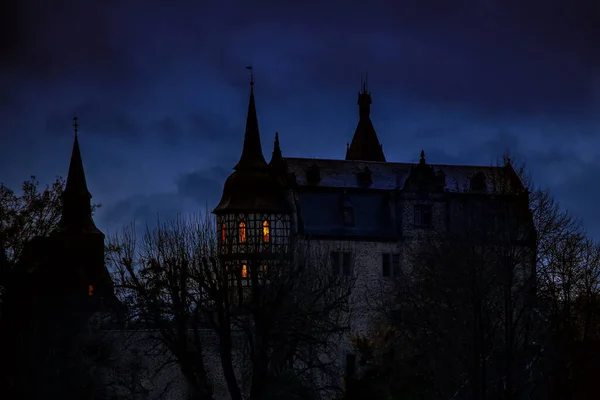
(362, 201)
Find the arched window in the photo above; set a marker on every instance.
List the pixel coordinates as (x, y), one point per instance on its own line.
(223, 233)
(266, 231)
(90, 290)
(244, 271)
(242, 232)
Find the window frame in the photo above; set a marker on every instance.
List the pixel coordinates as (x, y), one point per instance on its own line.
(419, 211)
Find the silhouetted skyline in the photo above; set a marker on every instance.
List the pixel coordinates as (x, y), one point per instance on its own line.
(161, 92)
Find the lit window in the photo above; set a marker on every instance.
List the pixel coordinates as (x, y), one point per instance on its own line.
(266, 232)
(244, 271)
(90, 290)
(223, 232)
(264, 268)
(242, 232)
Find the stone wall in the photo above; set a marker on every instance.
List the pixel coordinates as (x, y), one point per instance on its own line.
(146, 370)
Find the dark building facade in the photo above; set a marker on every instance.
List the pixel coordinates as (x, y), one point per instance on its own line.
(364, 202)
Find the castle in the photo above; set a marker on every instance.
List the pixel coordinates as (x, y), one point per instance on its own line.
(363, 202)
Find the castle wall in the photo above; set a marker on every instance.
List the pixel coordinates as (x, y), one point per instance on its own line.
(146, 370)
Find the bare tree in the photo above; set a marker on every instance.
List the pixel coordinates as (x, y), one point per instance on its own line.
(285, 311)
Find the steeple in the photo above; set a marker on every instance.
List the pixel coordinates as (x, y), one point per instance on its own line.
(252, 156)
(76, 198)
(276, 156)
(365, 145)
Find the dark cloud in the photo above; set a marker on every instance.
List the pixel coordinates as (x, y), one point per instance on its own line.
(141, 209)
(203, 186)
(579, 193)
(169, 130)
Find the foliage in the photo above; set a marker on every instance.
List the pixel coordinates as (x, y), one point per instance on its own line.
(288, 314)
(465, 318)
(34, 212)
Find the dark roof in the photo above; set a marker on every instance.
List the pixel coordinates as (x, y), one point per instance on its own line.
(253, 186)
(321, 214)
(391, 175)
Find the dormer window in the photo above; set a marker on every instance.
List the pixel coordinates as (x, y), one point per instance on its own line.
(223, 233)
(313, 175)
(478, 183)
(266, 231)
(242, 230)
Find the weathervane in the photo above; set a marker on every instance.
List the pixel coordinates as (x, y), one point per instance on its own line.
(249, 67)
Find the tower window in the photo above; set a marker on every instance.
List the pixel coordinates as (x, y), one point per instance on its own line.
(90, 290)
(266, 231)
(423, 214)
(242, 232)
(244, 271)
(223, 233)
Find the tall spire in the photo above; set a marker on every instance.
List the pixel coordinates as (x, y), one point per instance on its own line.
(365, 145)
(276, 156)
(252, 155)
(76, 198)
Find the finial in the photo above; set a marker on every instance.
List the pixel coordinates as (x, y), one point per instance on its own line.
(75, 125)
(422, 161)
(249, 67)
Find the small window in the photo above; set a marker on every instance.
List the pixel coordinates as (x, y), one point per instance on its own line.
(223, 233)
(346, 264)
(244, 271)
(348, 215)
(243, 232)
(385, 265)
(266, 231)
(341, 263)
(335, 263)
(423, 215)
(390, 265)
(90, 290)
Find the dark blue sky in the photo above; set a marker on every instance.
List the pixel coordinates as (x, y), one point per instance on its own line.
(161, 90)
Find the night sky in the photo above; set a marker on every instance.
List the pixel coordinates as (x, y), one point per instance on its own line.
(161, 91)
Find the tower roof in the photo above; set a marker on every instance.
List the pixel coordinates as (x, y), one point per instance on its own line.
(252, 155)
(253, 185)
(76, 198)
(365, 145)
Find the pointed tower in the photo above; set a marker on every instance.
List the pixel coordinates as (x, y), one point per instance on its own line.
(77, 244)
(76, 199)
(253, 216)
(365, 145)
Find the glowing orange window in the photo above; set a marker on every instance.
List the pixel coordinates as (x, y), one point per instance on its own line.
(242, 232)
(266, 231)
(244, 271)
(90, 290)
(223, 233)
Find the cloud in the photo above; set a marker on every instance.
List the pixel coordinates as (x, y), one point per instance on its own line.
(204, 187)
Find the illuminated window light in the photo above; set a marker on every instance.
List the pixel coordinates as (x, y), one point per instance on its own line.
(244, 271)
(223, 233)
(266, 231)
(242, 232)
(90, 290)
